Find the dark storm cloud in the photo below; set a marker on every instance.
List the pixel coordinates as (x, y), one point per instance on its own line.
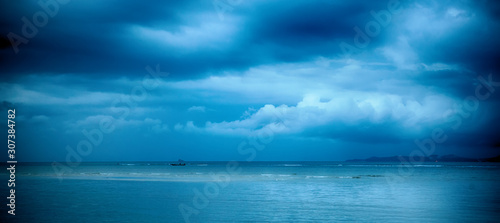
(300, 30)
(472, 45)
(86, 37)
(92, 37)
(6, 105)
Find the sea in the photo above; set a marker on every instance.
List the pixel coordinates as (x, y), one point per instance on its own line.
(254, 192)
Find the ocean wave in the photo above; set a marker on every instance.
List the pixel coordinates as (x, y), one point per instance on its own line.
(291, 165)
(348, 177)
(267, 175)
(477, 166)
(373, 165)
(427, 165)
(371, 175)
(316, 177)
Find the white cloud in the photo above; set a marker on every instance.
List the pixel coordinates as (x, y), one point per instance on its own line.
(439, 66)
(454, 12)
(197, 109)
(39, 118)
(422, 26)
(350, 109)
(421, 21)
(287, 83)
(401, 54)
(156, 125)
(17, 93)
(188, 127)
(207, 31)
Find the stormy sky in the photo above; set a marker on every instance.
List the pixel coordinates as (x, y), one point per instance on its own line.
(250, 80)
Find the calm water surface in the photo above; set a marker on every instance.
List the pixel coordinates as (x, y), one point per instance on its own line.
(258, 192)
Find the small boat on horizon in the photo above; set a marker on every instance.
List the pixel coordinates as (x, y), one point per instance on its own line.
(181, 163)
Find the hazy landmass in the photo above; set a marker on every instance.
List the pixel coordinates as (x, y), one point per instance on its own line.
(433, 158)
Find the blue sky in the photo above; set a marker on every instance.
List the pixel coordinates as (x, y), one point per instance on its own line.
(234, 80)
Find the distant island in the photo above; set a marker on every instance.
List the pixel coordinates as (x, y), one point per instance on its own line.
(433, 158)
